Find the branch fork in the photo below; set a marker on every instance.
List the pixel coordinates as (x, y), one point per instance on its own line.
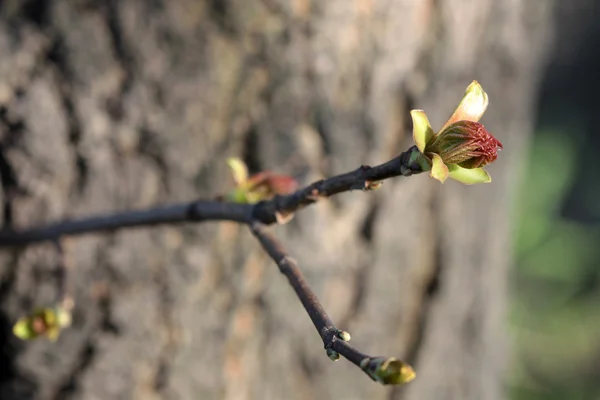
(279, 209)
(386, 370)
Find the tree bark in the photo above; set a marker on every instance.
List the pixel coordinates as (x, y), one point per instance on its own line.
(121, 104)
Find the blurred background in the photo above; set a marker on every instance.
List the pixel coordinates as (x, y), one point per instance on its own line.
(490, 292)
(555, 282)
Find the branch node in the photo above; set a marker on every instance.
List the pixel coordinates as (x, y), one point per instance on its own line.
(283, 217)
(285, 261)
(405, 171)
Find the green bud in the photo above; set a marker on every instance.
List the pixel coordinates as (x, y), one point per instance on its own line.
(345, 336)
(42, 322)
(332, 354)
(388, 371)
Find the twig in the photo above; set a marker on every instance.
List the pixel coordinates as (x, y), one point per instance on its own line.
(387, 370)
(360, 179)
(289, 268)
(266, 212)
(177, 213)
(383, 369)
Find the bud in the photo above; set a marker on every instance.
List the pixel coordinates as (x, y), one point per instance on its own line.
(345, 336)
(272, 184)
(42, 322)
(260, 186)
(462, 147)
(372, 185)
(465, 143)
(388, 371)
(332, 354)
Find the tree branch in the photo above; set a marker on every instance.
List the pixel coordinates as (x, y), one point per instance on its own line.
(383, 369)
(289, 268)
(266, 212)
(177, 213)
(360, 179)
(387, 370)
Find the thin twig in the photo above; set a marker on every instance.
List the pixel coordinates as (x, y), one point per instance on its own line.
(387, 370)
(172, 214)
(333, 338)
(289, 268)
(266, 212)
(360, 179)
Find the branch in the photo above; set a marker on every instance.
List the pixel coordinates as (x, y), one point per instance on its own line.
(266, 212)
(177, 213)
(361, 178)
(387, 370)
(459, 151)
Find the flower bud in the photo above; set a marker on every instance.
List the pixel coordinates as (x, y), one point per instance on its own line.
(388, 371)
(465, 143)
(261, 186)
(46, 322)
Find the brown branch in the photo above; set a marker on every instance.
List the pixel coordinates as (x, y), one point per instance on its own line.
(383, 369)
(266, 212)
(289, 268)
(172, 214)
(387, 370)
(360, 179)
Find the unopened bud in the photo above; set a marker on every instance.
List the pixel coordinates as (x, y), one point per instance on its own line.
(345, 336)
(333, 355)
(466, 143)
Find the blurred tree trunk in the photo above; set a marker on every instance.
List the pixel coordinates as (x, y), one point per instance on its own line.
(121, 104)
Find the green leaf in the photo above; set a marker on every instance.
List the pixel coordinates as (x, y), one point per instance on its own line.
(238, 169)
(471, 107)
(23, 330)
(469, 176)
(439, 170)
(422, 132)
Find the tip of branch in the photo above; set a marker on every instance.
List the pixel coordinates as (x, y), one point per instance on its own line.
(388, 370)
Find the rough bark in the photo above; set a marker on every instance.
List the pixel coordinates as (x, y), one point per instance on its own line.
(121, 104)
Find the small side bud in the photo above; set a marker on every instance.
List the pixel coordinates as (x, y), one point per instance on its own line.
(260, 186)
(333, 355)
(46, 322)
(372, 185)
(345, 336)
